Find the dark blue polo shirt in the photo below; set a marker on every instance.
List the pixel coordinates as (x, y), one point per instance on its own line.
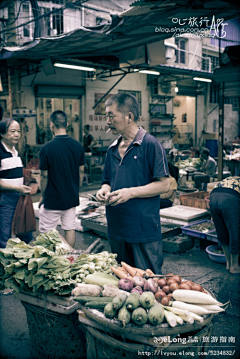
(136, 220)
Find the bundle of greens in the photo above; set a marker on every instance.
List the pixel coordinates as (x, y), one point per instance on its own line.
(28, 268)
(91, 263)
(53, 242)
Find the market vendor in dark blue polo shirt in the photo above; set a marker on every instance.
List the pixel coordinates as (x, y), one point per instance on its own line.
(135, 174)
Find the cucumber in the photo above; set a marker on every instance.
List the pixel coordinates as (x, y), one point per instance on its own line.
(156, 314)
(87, 298)
(109, 311)
(119, 300)
(96, 304)
(132, 302)
(139, 316)
(124, 316)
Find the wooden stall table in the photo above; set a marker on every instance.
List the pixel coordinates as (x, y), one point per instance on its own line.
(106, 338)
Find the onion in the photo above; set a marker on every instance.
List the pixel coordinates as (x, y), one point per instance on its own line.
(174, 286)
(166, 289)
(169, 275)
(125, 284)
(138, 281)
(160, 294)
(151, 285)
(184, 286)
(197, 287)
(177, 279)
(165, 300)
(170, 281)
(137, 289)
(162, 282)
(190, 283)
(169, 295)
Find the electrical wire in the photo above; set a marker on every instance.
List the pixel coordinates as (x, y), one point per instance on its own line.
(44, 15)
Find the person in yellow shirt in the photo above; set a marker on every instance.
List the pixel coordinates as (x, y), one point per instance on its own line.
(166, 199)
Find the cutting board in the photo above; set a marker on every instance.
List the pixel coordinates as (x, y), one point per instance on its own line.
(183, 213)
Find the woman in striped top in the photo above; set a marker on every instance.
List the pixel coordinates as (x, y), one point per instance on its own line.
(11, 177)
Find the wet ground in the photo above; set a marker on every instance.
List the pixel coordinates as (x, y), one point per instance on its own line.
(224, 341)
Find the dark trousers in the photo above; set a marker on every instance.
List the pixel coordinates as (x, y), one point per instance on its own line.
(200, 178)
(165, 203)
(139, 255)
(8, 203)
(225, 210)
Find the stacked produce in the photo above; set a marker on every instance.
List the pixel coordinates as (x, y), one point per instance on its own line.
(28, 268)
(89, 263)
(53, 242)
(195, 163)
(138, 299)
(47, 267)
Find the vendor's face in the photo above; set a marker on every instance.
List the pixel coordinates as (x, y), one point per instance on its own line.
(116, 121)
(13, 134)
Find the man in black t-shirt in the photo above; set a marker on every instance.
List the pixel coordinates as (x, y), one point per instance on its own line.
(62, 167)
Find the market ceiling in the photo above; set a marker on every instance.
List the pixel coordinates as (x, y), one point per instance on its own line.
(124, 40)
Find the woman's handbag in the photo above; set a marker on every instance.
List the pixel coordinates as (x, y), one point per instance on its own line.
(24, 220)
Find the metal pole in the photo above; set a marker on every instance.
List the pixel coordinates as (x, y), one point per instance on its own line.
(109, 91)
(221, 115)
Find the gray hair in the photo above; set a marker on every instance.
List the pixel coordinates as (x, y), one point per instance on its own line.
(125, 103)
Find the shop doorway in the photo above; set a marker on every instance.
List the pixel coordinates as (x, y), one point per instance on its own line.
(184, 109)
(45, 106)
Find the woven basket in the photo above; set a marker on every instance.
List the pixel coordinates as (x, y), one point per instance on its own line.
(53, 335)
(103, 346)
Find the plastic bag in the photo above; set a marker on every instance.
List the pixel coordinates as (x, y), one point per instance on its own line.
(24, 220)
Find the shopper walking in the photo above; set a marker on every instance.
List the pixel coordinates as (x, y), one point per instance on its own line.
(11, 179)
(135, 173)
(225, 210)
(62, 168)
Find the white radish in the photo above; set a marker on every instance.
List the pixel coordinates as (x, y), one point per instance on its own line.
(213, 308)
(171, 321)
(190, 307)
(196, 317)
(178, 319)
(187, 319)
(177, 310)
(194, 297)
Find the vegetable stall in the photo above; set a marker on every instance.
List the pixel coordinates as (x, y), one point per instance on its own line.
(90, 306)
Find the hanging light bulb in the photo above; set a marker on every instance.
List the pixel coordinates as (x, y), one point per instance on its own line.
(176, 89)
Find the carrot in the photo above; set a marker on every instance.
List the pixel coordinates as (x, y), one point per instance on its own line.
(131, 270)
(140, 272)
(120, 273)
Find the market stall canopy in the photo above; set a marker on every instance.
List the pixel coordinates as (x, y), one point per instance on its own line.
(145, 22)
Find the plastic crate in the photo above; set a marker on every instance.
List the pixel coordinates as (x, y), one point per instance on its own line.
(212, 236)
(196, 199)
(192, 232)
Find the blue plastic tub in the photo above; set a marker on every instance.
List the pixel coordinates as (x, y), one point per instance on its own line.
(215, 257)
(192, 232)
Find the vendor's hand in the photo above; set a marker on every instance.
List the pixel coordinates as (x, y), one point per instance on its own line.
(120, 196)
(24, 189)
(101, 195)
